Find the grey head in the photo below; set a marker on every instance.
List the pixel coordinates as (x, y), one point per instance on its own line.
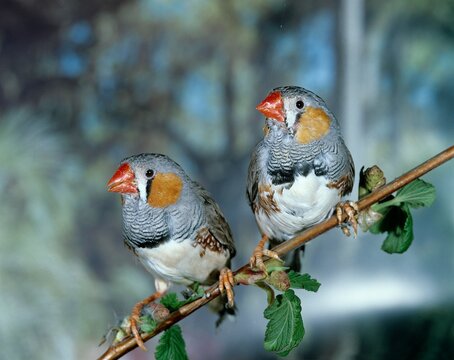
(159, 200)
(156, 175)
(301, 135)
(284, 107)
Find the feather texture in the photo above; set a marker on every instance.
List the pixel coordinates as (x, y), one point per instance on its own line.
(183, 239)
(294, 184)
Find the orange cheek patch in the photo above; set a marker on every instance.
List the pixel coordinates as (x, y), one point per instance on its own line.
(313, 124)
(165, 190)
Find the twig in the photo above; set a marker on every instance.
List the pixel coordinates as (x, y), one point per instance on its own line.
(129, 343)
(369, 200)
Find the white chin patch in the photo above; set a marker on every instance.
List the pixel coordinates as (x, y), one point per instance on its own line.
(290, 116)
(142, 186)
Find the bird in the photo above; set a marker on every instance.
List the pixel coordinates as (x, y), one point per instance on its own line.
(299, 171)
(174, 227)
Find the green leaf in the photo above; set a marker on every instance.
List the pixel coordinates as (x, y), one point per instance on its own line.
(397, 220)
(285, 328)
(198, 290)
(171, 345)
(147, 324)
(171, 301)
(119, 336)
(417, 194)
(275, 265)
(387, 222)
(400, 238)
(303, 281)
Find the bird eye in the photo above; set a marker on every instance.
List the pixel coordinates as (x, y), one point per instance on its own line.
(149, 174)
(299, 104)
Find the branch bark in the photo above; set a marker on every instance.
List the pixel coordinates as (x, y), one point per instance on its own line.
(129, 343)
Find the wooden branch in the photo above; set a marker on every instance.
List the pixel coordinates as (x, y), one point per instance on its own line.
(369, 200)
(129, 343)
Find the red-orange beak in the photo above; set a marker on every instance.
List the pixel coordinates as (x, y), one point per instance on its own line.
(273, 106)
(123, 181)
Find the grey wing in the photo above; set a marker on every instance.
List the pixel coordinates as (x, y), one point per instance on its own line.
(341, 168)
(253, 176)
(217, 224)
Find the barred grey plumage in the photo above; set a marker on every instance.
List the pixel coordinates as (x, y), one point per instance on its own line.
(146, 226)
(301, 169)
(174, 227)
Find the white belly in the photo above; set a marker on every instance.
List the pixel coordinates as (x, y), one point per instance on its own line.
(308, 202)
(181, 263)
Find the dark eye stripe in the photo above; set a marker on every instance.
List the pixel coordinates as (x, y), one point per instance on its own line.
(150, 175)
(148, 188)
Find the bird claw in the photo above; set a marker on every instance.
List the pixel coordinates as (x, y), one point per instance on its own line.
(256, 260)
(226, 284)
(135, 317)
(271, 254)
(349, 208)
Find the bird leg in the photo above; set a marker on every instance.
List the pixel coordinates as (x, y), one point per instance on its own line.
(256, 259)
(135, 316)
(226, 284)
(349, 208)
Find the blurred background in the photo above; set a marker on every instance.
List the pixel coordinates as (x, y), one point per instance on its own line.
(84, 84)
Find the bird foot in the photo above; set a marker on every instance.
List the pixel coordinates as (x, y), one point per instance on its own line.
(135, 317)
(226, 284)
(349, 208)
(256, 260)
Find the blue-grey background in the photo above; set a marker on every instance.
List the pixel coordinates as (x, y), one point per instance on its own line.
(85, 83)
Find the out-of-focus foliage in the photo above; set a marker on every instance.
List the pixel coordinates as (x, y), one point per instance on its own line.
(410, 49)
(85, 83)
(45, 290)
